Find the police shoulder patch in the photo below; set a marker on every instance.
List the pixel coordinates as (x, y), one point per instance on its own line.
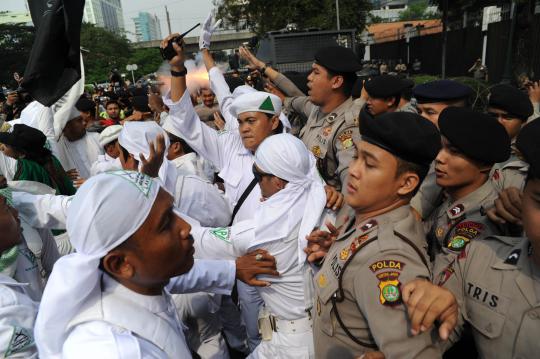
(457, 243)
(345, 138)
(222, 233)
(21, 339)
(389, 288)
(387, 264)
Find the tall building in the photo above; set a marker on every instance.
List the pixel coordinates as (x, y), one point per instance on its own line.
(104, 13)
(147, 27)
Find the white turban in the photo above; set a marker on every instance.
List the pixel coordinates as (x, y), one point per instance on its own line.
(303, 198)
(97, 222)
(135, 136)
(109, 134)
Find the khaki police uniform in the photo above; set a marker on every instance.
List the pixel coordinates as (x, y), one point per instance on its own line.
(511, 173)
(329, 136)
(498, 288)
(456, 223)
(357, 306)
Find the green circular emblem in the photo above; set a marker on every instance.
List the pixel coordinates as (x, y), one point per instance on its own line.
(457, 242)
(390, 293)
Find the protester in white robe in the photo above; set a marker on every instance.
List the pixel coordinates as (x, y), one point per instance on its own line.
(194, 196)
(109, 160)
(86, 312)
(18, 306)
(293, 203)
(78, 149)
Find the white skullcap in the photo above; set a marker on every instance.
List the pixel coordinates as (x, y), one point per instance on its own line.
(109, 134)
(97, 222)
(242, 90)
(135, 136)
(303, 198)
(258, 101)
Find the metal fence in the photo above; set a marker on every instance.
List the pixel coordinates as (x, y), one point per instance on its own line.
(296, 51)
(464, 46)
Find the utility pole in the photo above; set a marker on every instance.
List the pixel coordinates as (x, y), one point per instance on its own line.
(168, 20)
(444, 38)
(337, 15)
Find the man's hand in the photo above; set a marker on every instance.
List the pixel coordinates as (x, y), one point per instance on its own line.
(73, 174)
(208, 28)
(253, 62)
(372, 355)
(507, 207)
(152, 165)
(249, 266)
(177, 62)
(219, 121)
(78, 182)
(534, 91)
(319, 242)
(271, 88)
(334, 199)
(12, 98)
(426, 303)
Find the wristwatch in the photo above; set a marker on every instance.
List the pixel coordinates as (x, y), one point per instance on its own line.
(179, 73)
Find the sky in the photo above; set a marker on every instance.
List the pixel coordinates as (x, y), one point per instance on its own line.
(183, 13)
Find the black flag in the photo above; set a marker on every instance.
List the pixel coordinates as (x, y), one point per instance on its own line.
(54, 63)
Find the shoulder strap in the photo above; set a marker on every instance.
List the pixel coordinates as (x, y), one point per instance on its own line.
(242, 199)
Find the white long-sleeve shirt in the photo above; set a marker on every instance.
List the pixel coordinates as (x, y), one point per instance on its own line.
(224, 149)
(99, 339)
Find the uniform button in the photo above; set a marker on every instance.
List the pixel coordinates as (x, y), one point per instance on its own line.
(533, 315)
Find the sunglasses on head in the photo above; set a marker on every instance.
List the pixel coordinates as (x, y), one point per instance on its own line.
(258, 174)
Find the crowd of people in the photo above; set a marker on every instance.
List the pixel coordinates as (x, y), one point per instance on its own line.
(271, 217)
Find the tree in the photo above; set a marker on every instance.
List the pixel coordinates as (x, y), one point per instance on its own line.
(15, 45)
(262, 16)
(106, 51)
(418, 11)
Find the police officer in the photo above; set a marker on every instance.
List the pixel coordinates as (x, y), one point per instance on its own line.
(471, 143)
(431, 99)
(332, 125)
(512, 108)
(434, 96)
(357, 300)
(384, 94)
(497, 280)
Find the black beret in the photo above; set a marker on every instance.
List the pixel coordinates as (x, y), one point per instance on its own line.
(476, 134)
(338, 59)
(385, 86)
(84, 104)
(404, 134)
(441, 91)
(140, 103)
(528, 144)
(24, 138)
(511, 100)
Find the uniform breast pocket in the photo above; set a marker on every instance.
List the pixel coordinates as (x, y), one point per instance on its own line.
(325, 287)
(484, 319)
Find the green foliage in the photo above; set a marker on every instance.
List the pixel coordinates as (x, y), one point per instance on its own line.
(105, 51)
(108, 50)
(262, 16)
(418, 11)
(15, 45)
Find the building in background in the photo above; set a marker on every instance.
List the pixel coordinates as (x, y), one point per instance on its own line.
(147, 27)
(105, 13)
